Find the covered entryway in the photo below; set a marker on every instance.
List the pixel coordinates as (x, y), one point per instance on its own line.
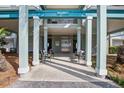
(60, 39)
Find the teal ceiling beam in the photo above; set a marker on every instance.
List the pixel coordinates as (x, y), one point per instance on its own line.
(115, 14)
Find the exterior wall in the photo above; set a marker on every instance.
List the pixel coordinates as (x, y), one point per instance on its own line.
(12, 40)
(41, 44)
(31, 43)
(83, 41)
(57, 39)
(94, 43)
(116, 42)
(93, 40)
(12, 24)
(116, 39)
(56, 48)
(9, 45)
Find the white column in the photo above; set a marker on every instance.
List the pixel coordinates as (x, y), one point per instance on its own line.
(36, 40)
(89, 41)
(45, 38)
(78, 39)
(101, 41)
(111, 39)
(23, 39)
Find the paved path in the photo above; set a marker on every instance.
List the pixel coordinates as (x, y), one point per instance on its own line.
(62, 72)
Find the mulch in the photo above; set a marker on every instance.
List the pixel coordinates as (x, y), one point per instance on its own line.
(11, 75)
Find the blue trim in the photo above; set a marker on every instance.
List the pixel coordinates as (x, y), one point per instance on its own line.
(61, 14)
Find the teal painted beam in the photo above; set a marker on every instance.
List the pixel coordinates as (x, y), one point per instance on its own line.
(61, 14)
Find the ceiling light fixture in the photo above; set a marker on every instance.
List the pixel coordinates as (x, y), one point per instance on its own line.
(67, 25)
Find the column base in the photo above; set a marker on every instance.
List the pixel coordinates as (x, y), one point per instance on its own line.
(88, 63)
(35, 62)
(101, 76)
(101, 73)
(23, 70)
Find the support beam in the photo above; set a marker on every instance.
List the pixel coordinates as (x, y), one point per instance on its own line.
(36, 40)
(23, 39)
(78, 39)
(45, 14)
(45, 38)
(89, 40)
(101, 41)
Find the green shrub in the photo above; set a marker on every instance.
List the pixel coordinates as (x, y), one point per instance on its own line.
(113, 49)
(118, 81)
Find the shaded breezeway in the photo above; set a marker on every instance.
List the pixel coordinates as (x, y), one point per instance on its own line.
(61, 72)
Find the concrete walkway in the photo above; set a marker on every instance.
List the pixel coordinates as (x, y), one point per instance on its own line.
(62, 72)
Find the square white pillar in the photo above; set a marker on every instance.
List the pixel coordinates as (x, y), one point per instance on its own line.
(45, 39)
(36, 40)
(78, 39)
(101, 41)
(89, 40)
(23, 39)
